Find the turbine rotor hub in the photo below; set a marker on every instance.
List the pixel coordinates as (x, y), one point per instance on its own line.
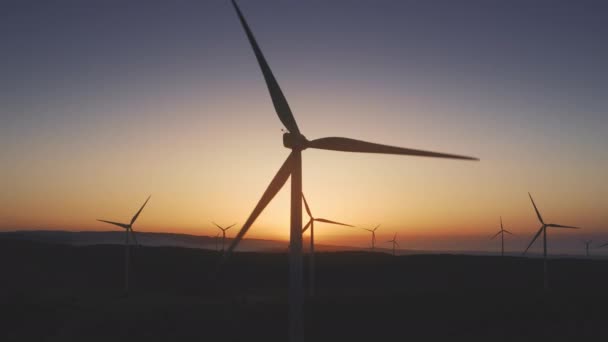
(295, 141)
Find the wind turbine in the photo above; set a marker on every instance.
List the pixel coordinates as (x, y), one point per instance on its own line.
(395, 243)
(373, 231)
(128, 227)
(311, 224)
(223, 232)
(292, 167)
(501, 232)
(587, 243)
(543, 230)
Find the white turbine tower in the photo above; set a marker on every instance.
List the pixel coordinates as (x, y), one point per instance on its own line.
(223, 232)
(587, 243)
(311, 225)
(501, 232)
(543, 230)
(395, 243)
(128, 227)
(373, 231)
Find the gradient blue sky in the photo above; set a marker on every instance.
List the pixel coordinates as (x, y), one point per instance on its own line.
(103, 102)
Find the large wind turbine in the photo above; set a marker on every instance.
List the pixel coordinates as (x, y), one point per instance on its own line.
(395, 243)
(543, 230)
(223, 232)
(128, 227)
(373, 231)
(501, 232)
(292, 167)
(311, 225)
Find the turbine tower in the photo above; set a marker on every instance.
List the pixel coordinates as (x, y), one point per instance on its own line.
(543, 230)
(292, 168)
(128, 227)
(587, 243)
(501, 232)
(373, 231)
(311, 225)
(395, 243)
(223, 232)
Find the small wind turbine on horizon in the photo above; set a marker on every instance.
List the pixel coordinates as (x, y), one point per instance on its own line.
(128, 227)
(373, 231)
(223, 232)
(292, 168)
(394, 241)
(543, 230)
(501, 232)
(311, 225)
(587, 243)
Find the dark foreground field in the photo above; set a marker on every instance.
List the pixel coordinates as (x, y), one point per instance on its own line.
(58, 293)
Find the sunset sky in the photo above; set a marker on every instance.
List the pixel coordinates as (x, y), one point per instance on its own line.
(105, 102)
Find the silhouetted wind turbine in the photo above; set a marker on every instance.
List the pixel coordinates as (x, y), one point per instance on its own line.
(292, 167)
(128, 227)
(373, 231)
(395, 243)
(587, 243)
(501, 232)
(223, 232)
(543, 230)
(311, 225)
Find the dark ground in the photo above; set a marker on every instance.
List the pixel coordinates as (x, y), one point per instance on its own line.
(54, 292)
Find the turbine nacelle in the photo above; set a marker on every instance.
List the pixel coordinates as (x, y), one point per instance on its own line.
(295, 141)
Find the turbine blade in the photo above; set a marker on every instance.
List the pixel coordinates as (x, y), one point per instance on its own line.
(121, 225)
(560, 226)
(306, 226)
(352, 145)
(494, 236)
(378, 226)
(508, 232)
(534, 239)
(217, 225)
(397, 243)
(140, 209)
(230, 226)
(275, 185)
(332, 222)
(306, 206)
(537, 213)
(278, 99)
(604, 245)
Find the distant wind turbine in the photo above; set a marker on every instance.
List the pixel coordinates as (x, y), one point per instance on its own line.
(501, 232)
(292, 167)
(587, 243)
(543, 230)
(128, 227)
(311, 225)
(223, 232)
(373, 231)
(395, 243)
